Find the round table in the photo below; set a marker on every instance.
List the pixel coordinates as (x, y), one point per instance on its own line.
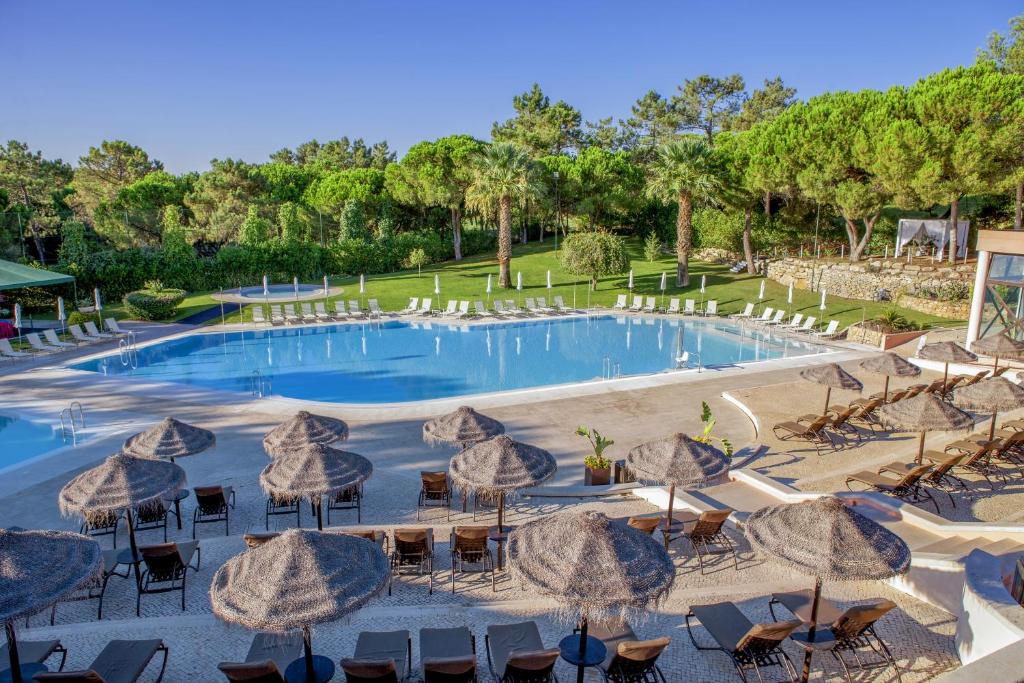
(570, 650)
(176, 499)
(27, 672)
(323, 670)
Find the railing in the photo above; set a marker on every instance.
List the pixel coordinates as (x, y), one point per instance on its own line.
(71, 423)
(259, 386)
(128, 353)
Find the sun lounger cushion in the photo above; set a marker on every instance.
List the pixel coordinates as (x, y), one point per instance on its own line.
(121, 661)
(282, 649)
(876, 480)
(799, 604)
(265, 671)
(611, 634)
(370, 670)
(29, 652)
(533, 660)
(383, 646)
(732, 630)
(445, 643)
(449, 666)
(504, 639)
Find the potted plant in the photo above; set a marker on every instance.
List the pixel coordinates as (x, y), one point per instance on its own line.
(598, 467)
(709, 425)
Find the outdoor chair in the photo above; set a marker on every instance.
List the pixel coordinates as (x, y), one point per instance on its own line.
(290, 316)
(941, 477)
(637, 305)
(354, 310)
(830, 331)
(499, 309)
(376, 535)
(931, 388)
(865, 414)
(852, 629)
(380, 657)
(673, 307)
(93, 331)
(748, 310)
(36, 343)
(969, 380)
(258, 317)
(712, 308)
(705, 532)
(268, 657)
(276, 316)
(51, 337)
(480, 310)
(814, 432)
(101, 524)
(650, 304)
(977, 462)
(151, 516)
(1007, 446)
(307, 313)
(453, 306)
(7, 351)
(629, 660)
(121, 661)
(33, 652)
(166, 568)
(620, 303)
(469, 545)
(542, 304)
(516, 654)
(425, 306)
(808, 325)
(321, 311)
(213, 504)
(1015, 425)
(434, 491)
(777, 320)
(892, 397)
(94, 590)
(414, 302)
(413, 549)
(793, 323)
(648, 525)
(339, 310)
(347, 499)
(447, 655)
(839, 420)
(750, 646)
(283, 506)
(375, 309)
(766, 315)
(463, 310)
(79, 335)
(559, 304)
(908, 487)
(112, 325)
(512, 308)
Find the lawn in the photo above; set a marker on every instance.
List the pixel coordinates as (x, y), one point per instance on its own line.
(467, 279)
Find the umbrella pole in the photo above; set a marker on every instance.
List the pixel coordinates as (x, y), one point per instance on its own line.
(135, 548)
(828, 396)
(810, 630)
(583, 650)
(992, 427)
(885, 392)
(501, 512)
(307, 646)
(12, 652)
(945, 378)
(319, 515)
(920, 448)
(995, 366)
(668, 520)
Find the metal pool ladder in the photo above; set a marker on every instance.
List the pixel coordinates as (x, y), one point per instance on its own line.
(128, 352)
(259, 386)
(71, 422)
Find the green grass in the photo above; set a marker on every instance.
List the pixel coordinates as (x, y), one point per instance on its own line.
(467, 279)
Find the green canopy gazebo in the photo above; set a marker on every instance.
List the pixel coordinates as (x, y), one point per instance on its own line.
(17, 276)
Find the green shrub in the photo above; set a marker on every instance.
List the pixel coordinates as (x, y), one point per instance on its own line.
(594, 254)
(150, 304)
(652, 246)
(78, 318)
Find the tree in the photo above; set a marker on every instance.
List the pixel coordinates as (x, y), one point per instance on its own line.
(220, 198)
(336, 155)
(417, 259)
(353, 221)
(654, 122)
(135, 214)
(734, 150)
(708, 103)
(602, 134)
(685, 171)
(106, 170)
(503, 173)
(437, 174)
(764, 104)
(255, 230)
(539, 126)
(37, 185)
(610, 183)
(593, 254)
(332, 190)
(293, 229)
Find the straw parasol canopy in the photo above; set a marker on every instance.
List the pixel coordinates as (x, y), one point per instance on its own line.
(825, 538)
(299, 579)
(499, 467)
(463, 427)
(990, 395)
(923, 413)
(314, 471)
(890, 365)
(947, 352)
(677, 460)
(999, 346)
(301, 429)
(169, 439)
(832, 376)
(37, 570)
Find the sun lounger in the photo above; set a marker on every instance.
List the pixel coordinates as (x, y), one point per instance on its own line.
(321, 312)
(530, 305)
(650, 304)
(425, 306)
(121, 661)
(499, 309)
(620, 303)
(469, 545)
(79, 335)
(213, 505)
(830, 331)
(637, 305)
(257, 316)
(447, 655)
(766, 315)
(276, 315)
(738, 266)
(628, 658)
(793, 323)
(814, 432)
(339, 310)
(112, 325)
(268, 658)
(380, 656)
(52, 338)
(748, 311)
(166, 569)
(8, 351)
(705, 532)
(777, 320)
(375, 310)
(413, 549)
(689, 307)
(506, 645)
(434, 491)
(808, 325)
(712, 308)
(908, 487)
(542, 306)
(560, 305)
(307, 313)
(414, 302)
(36, 343)
(33, 652)
(481, 310)
(354, 310)
(290, 316)
(940, 477)
(93, 331)
(512, 308)
(453, 306)
(748, 645)
(852, 629)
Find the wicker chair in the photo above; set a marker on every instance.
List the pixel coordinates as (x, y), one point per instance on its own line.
(434, 491)
(469, 545)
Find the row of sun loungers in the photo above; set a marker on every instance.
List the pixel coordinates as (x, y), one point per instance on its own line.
(50, 342)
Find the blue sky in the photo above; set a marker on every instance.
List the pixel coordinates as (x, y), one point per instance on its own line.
(190, 81)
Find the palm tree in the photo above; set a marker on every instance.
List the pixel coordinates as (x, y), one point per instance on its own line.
(504, 172)
(685, 171)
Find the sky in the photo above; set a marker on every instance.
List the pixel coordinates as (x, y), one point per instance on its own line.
(193, 81)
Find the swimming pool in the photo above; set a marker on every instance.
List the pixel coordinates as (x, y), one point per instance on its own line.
(401, 361)
(26, 439)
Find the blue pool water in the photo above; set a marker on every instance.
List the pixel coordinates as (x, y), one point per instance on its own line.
(395, 361)
(25, 439)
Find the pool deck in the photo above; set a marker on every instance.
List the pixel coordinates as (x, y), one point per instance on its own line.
(922, 635)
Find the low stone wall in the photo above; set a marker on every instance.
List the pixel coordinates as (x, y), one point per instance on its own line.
(864, 280)
(715, 255)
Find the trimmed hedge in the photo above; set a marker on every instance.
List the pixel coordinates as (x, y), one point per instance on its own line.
(148, 304)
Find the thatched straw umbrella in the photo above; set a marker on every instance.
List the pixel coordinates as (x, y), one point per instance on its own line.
(312, 472)
(677, 460)
(499, 467)
(168, 440)
(999, 345)
(825, 538)
(301, 429)
(924, 413)
(122, 482)
(948, 352)
(296, 580)
(37, 570)
(990, 395)
(890, 365)
(832, 376)
(593, 567)
(463, 427)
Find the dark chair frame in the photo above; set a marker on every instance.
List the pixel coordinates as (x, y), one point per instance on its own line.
(348, 499)
(164, 573)
(102, 524)
(432, 494)
(213, 504)
(706, 533)
(756, 654)
(472, 551)
(283, 506)
(151, 516)
(418, 554)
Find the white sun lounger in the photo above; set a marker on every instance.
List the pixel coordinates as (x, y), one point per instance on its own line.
(81, 336)
(375, 311)
(115, 328)
(480, 309)
(830, 331)
(463, 310)
(808, 325)
(290, 316)
(321, 311)
(673, 306)
(354, 310)
(748, 311)
(512, 308)
(425, 306)
(414, 302)
(793, 323)
(542, 305)
(766, 315)
(54, 340)
(276, 316)
(777, 320)
(93, 331)
(339, 310)
(712, 308)
(36, 343)
(638, 304)
(499, 309)
(531, 305)
(453, 305)
(560, 304)
(307, 313)
(620, 303)
(650, 305)
(7, 350)
(257, 316)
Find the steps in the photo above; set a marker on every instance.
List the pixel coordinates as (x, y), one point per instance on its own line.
(957, 547)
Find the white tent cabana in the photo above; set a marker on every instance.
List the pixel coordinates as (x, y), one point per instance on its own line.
(937, 230)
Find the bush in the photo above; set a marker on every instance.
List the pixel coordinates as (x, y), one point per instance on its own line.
(153, 304)
(652, 246)
(78, 318)
(593, 254)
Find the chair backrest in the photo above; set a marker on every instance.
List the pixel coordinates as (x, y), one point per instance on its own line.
(913, 476)
(210, 499)
(451, 306)
(558, 301)
(819, 423)
(449, 669)
(353, 305)
(689, 305)
(51, 336)
(414, 301)
(713, 307)
(339, 306)
(478, 306)
(510, 304)
(530, 665)
(34, 340)
(809, 322)
(320, 307)
(151, 512)
(898, 396)
(778, 315)
(463, 307)
(797, 317)
(844, 415)
(499, 306)
(1009, 442)
(634, 658)
(767, 313)
(530, 303)
(289, 309)
(833, 325)
(620, 301)
(710, 523)
(307, 309)
(369, 670)
(469, 539)
(645, 524)
(638, 302)
(411, 541)
(425, 306)
(91, 328)
(251, 672)
(912, 392)
(101, 520)
(858, 619)
(112, 324)
(764, 638)
(257, 313)
(163, 561)
(76, 332)
(650, 303)
(434, 482)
